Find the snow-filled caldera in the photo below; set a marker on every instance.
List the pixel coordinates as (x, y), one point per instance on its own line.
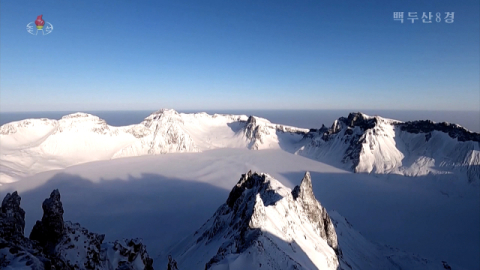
(361, 143)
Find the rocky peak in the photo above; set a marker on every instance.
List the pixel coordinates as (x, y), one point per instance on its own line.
(51, 228)
(304, 191)
(172, 264)
(359, 119)
(12, 217)
(251, 128)
(316, 213)
(247, 181)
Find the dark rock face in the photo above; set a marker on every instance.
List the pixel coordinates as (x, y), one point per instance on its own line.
(349, 123)
(57, 245)
(247, 181)
(50, 229)
(316, 213)
(172, 264)
(14, 247)
(359, 120)
(12, 217)
(453, 130)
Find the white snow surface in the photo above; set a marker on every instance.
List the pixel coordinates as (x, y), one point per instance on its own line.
(163, 198)
(35, 145)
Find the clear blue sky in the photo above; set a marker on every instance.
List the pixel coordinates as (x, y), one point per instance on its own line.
(331, 54)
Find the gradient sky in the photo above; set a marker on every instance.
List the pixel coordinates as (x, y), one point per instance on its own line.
(331, 54)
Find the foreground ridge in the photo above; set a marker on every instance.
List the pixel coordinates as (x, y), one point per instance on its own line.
(264, 225)
(57, 245)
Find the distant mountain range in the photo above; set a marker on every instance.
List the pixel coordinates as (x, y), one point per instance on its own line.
(361, 143)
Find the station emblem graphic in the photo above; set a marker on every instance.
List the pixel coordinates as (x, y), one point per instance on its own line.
(39, 25)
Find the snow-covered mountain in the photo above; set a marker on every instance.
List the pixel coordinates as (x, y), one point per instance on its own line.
(55, 244)
(359, 142)
(378, 145)
(264, 225)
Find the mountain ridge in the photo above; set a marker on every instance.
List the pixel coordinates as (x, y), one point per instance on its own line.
(358, 142)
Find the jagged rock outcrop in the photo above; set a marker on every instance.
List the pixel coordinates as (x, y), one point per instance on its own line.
(172, 264)
(55, 244)
(51, 228)
(12, 217)
(427, 126)
(316, 213)
(15, 249)
(263, 225)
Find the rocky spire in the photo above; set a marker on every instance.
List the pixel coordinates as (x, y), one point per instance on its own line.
(12, 217)
(246, 181)
(51, 228)
(316, 213)
(172, 264)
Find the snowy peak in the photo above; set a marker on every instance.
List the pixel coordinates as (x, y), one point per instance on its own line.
(262, 134)
(162, 116)
(262, 226)
(161, 132)
(81, 117)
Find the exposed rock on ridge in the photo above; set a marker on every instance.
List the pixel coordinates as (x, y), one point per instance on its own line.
(58, 245)
(51, 228)
(367, 144)
(453, 130)
(12, 217)
(258, 218)
(316, 213)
